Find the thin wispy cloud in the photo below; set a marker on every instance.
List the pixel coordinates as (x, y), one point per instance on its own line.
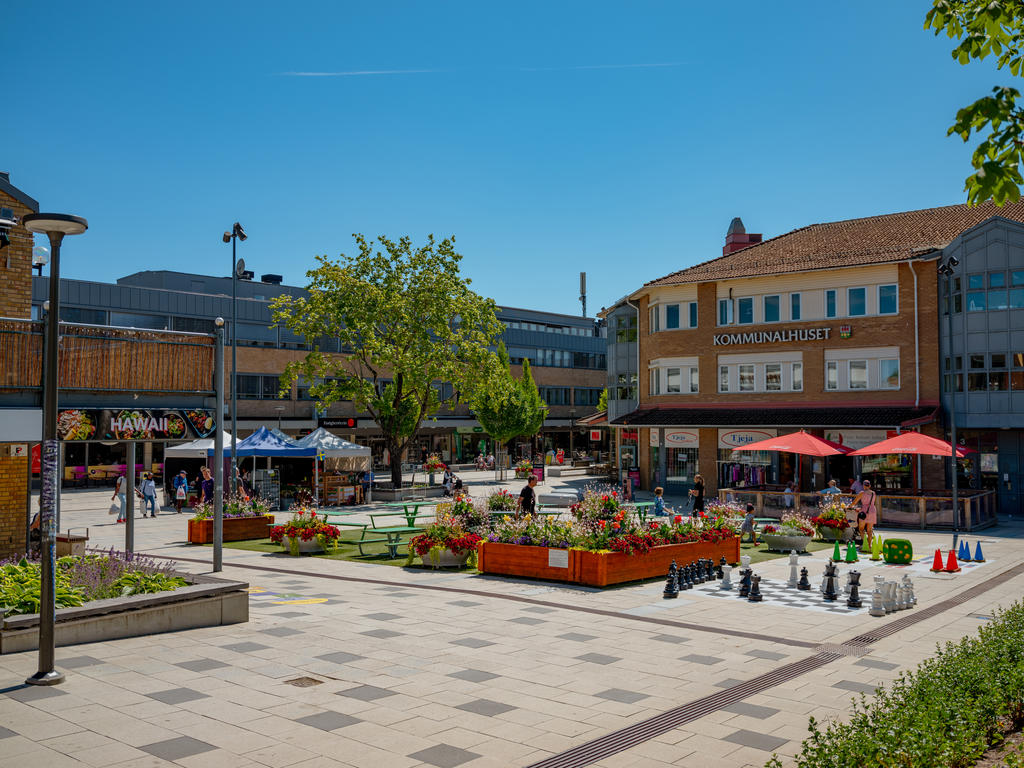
(361, 72)
(602, 66)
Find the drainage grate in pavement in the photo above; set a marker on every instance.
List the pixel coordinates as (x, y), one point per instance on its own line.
(304, 682)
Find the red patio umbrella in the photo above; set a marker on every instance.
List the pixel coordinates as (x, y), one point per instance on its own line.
(910, 442)
(797, 442)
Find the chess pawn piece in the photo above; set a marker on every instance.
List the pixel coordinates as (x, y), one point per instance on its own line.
(687, 577)
(880, 583)
(745, 582)
(710, 565)
(698, 573)
(681, 579)
(911, 597)
(876, 608)
(726, 577)
(853, 579)
(804, 582)
(671, 583)
(744, 560)
(722, 562)
(755, 589)
(830, 583)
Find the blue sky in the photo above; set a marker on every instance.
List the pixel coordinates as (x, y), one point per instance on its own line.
(619, 138)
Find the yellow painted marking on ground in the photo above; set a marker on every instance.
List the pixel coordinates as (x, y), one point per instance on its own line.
(255, 590)
(306, 601)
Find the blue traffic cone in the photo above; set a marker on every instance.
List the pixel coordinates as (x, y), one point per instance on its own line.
(978, 557)
(963, 553)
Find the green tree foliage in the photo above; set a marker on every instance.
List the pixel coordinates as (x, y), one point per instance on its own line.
(407, 321)
(507, 407)
(986, 28)
(602, 401)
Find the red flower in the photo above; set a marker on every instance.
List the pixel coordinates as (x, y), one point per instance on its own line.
(616, 526)
(678, 519)
(602, 522)
(614, 493)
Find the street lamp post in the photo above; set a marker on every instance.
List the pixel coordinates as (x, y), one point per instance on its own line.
(572, 432)
(236, 234)
(946, 268)
(55, 226)
(279, 409)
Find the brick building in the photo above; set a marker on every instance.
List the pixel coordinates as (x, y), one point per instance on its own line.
(832, 328)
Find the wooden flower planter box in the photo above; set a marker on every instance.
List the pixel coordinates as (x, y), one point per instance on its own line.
(596, 569)
(235, 529)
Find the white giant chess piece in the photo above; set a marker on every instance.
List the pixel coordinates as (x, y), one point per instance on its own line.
(794, 563)
(911, 597)
(889, 596)
(877, 609)
(901, 596)
(745, 560)
(726, 581)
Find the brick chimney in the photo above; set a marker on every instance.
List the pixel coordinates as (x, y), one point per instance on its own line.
(737, 237)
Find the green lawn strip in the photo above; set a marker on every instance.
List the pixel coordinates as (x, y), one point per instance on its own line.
(944, 714)
(760, 553)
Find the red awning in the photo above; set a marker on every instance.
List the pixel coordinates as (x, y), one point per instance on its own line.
(910, 442)
(797, 442)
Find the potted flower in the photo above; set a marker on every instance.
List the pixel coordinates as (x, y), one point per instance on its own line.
(305, 532)
(793, 532)
(444, 544)
(831, 521)
(434, 464)
(523, 469)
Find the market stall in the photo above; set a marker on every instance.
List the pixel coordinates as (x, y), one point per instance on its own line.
(343, 463)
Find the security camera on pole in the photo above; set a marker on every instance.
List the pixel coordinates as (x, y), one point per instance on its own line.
(237, 270)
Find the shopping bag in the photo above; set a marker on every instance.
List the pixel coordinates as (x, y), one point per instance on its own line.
(114, 509)
(180, 493)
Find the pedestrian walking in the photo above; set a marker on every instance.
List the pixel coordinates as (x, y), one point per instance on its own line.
(119, 488)
(180, 487)
(697, 492)
(148, 494)
(206, 487)
(528, 497)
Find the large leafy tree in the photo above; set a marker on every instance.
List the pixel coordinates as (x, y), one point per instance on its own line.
(407, 321)
(508, 407)
(986, 28)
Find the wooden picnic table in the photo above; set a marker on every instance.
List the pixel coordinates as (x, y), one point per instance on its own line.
(409, 508)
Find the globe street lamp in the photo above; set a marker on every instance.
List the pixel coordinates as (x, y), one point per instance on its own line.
(946, 268)
(55, 226)
(236, 234)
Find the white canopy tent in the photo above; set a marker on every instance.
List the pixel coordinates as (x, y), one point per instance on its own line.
(348, 457)
(197, 449)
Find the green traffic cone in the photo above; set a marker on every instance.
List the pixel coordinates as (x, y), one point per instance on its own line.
(837, 556)
(851, 552)
(876, 547)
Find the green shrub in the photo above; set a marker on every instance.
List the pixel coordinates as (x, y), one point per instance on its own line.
(944, 714)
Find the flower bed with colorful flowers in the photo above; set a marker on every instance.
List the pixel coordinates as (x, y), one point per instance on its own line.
(502, 501)
(305, 526)
(792, 524)
(434, 464)
(831, 514)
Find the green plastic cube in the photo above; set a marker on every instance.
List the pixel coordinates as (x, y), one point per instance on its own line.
(897, 551)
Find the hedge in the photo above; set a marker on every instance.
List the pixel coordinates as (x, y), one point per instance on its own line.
(945, 714)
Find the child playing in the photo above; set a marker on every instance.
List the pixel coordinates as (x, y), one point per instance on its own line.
(660, 510)
(748, 525)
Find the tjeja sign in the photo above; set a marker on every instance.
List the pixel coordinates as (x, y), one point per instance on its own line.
(772, 337)
(737, 438)
(676, 438)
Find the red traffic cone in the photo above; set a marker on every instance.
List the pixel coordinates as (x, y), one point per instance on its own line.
(951, 564)
(937, 563)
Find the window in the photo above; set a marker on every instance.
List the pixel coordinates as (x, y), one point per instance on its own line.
(856, 302)
(831, 374)
(997, 360)
(723, 378)
(1016, 300)
(858, 374)
(794, 306)
(130, 320)
(555, 395)
(954, 380)
(88, 316)
(996, 279)
(725, 312)
(889, 374)
(192, 324)
(997, 381)
(655, 320)
(745, 311)
(746, 378)
(271, 387)
(976, 361)
(625, 388)
(773, 377)
(672, 381)
(694, 381)
(977, 382)
(997, 299)
(976, 298)
(672, 316)
(957, 296)
(249, 387)
(888, 300)
(587, 395)
(830, 303)
(975, 282)
(693, 314)
(1017, 380)
(771, 309)
(625, 328)
(798, 377)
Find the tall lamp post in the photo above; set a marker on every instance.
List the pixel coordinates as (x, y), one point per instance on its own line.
(236, 234)
(572, 431)
(946, 268)
(55, 226)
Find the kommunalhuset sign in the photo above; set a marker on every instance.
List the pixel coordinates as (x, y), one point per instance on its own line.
(773, 337)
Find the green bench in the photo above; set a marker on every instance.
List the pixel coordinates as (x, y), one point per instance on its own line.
(392, 537)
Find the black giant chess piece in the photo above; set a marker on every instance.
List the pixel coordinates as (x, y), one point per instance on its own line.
(671, 585)
(699, 573)
(718, 568)
(804, 582)
(755, 589)
(685, 579)
(853, 601)
(745, 575)
(830, 582)
(709, 564)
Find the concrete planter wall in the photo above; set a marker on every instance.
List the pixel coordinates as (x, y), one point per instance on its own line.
(207, 602)
(781, 543)
(828, 533)
(390, 494)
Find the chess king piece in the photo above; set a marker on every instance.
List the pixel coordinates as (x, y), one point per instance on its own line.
(726, 577)
(830, 582)
(709, 565)
(687, 577)
(722, 562)
(876, 608)
(901, 597)
(794, 563)
(698, 573)
(745, 582)
(755, 589)
(909, 585)
(671, 583)
(853, 579)
(745, 560)
(804, 582)
(889, 596)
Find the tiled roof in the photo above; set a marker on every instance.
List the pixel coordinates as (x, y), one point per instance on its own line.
(850, 243)
(880, 416)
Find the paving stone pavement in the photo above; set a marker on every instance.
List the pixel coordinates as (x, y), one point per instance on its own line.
(431, 668)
